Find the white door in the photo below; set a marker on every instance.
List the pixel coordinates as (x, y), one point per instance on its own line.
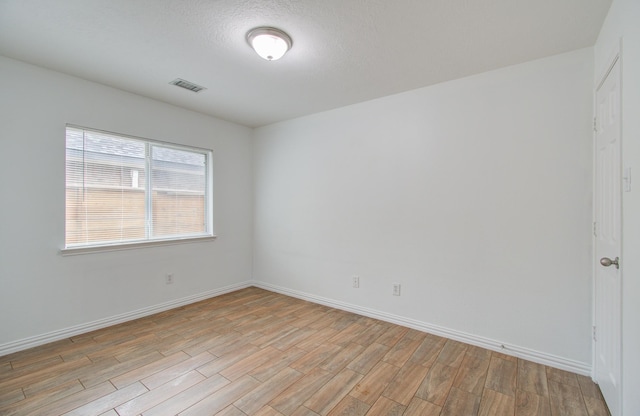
(607, 230)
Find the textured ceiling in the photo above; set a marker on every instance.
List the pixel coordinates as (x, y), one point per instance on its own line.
(344, 51)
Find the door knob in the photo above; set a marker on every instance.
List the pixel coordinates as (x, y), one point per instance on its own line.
(606, 262)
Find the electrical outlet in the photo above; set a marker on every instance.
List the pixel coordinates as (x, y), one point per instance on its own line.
(396, 289)
(356, 281)
(168, 278)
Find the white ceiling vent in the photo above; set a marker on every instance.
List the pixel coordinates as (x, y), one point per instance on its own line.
(179, 82)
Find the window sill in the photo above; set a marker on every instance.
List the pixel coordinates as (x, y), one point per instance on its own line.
(130, 246)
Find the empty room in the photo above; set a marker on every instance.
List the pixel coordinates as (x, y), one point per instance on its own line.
(298, 207)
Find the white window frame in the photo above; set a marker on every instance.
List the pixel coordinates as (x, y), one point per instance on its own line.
(208, 235)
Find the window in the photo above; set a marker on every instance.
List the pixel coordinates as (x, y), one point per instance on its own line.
(123, 190)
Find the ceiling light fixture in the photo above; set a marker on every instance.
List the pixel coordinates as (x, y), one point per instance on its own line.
(268, 42)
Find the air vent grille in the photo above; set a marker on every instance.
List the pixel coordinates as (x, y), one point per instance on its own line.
(179, 82)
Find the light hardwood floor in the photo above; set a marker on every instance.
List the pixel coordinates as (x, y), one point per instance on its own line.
(254, 352)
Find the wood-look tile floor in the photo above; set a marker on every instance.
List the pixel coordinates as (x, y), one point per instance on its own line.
(253, 352)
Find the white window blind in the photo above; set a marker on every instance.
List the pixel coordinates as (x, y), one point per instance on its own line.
(122, 190)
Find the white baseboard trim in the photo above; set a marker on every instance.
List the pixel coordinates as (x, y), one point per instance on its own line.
(490, 344)
(37, 340)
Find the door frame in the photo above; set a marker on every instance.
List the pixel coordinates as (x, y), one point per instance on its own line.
(614, 56)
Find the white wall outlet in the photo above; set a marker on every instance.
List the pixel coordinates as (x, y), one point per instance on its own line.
(355, 281)
(168, 278)
(396, 289)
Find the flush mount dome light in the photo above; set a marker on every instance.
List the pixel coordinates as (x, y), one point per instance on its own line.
(268, 42)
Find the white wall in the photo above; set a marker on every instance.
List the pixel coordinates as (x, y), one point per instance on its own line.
(623, 22)
(474, 194)
(43, 292)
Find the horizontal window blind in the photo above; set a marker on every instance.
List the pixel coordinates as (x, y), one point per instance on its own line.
(122, 189)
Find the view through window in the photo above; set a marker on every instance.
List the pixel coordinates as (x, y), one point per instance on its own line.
(123, 189)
